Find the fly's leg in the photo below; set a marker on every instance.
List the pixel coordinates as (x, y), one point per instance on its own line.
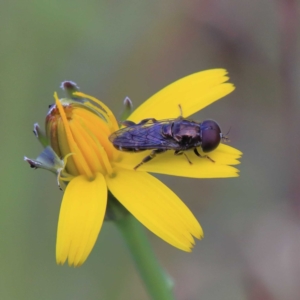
(128, 123)
(149, 157)
(202, 156)
(178, 152)
(180, 110)
(145, 121)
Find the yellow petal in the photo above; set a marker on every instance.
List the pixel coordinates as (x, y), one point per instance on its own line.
(80, 219)
(229, 150)
(101, 108)
(156, 206)
(170, 164)
(193, 93)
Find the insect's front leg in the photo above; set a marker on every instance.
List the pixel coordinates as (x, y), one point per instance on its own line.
(179, 152)
(202, 156)
(150, 156)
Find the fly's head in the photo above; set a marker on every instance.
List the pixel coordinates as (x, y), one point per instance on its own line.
(210, 134)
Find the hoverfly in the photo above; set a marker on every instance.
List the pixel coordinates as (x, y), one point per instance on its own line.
(178, 134)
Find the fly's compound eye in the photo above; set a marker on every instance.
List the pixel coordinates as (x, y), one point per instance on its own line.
(210, 135)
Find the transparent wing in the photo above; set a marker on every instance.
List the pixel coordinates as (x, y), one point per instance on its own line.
(143, 136)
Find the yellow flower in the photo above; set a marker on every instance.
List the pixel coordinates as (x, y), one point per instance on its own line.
(77, 130)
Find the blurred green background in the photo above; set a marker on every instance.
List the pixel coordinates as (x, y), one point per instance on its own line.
(114, 49)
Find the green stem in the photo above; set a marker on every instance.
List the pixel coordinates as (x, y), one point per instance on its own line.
(158, 283)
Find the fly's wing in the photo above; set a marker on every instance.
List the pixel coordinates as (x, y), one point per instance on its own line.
(142, 137)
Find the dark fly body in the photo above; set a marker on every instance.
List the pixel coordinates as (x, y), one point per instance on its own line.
(171, 134)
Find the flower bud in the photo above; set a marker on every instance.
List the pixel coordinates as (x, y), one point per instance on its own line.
(82, 129)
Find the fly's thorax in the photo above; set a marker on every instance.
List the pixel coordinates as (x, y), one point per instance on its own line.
(186, 133)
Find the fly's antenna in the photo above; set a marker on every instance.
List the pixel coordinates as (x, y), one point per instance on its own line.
(225, 137)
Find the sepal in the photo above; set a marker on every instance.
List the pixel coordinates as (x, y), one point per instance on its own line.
(127, 110)
(40, 135)
(69, 87)
(47, 160)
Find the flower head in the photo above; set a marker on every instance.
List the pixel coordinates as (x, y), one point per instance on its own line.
(78, 150)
